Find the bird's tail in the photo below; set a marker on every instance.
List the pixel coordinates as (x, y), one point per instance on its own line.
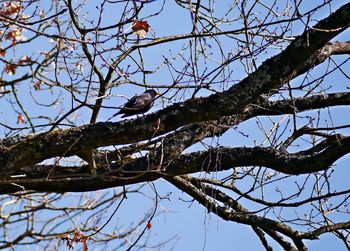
(114, 115)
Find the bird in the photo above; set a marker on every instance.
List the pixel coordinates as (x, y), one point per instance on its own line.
(138, 104)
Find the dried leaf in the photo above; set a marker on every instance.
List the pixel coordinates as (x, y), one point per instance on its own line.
(85, 247)
(37, 85)
(20, 119)
(10, 69)
(2, 52)
(25, 60)
(140, 27)
(78, 237)
(15, 35)
(11, 7)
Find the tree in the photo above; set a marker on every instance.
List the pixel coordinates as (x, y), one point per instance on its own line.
(249, 122)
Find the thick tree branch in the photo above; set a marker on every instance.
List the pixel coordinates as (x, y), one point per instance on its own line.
(301, 104)
(142, 169)
(284, 162)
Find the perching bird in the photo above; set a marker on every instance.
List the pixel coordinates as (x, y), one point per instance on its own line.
(139, 104)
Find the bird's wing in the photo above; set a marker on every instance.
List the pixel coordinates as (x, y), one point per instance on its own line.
(140, 101)
(137, 102)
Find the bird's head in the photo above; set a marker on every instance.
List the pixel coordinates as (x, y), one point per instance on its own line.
(153, 92)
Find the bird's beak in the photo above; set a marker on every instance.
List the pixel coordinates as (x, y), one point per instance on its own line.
(158, 93)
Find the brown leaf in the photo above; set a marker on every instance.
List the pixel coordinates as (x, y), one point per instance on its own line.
(140, 27)
(20, 119)
(37, 85)
(85, 246)
(25, 60)
(11, 7)
(10, 69)
(78, 236)
(2, 52)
